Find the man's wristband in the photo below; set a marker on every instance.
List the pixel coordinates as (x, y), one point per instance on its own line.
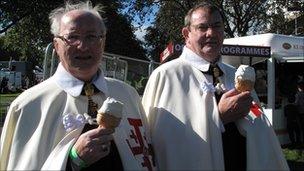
(75, 158)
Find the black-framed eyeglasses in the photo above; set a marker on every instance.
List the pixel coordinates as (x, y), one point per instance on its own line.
(75, 39)
(218, 26)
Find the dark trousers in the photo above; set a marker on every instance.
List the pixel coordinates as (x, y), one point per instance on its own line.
(294, 131)
(302, 125)
(234, 146)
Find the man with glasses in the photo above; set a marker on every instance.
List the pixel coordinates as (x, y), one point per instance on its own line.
(47, 127)
(197, 120)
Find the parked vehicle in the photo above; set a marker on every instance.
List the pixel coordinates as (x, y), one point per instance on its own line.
(10, 81)
(277, 73)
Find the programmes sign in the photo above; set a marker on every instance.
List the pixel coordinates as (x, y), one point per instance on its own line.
(241, 50)
(175, 49)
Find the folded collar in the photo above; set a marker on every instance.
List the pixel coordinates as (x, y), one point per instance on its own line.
(197, 61)
(73, 86)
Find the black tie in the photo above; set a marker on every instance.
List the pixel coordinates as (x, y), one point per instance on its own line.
(215, 71)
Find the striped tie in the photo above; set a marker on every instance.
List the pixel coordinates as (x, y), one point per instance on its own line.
(89, 90)
(92, 106)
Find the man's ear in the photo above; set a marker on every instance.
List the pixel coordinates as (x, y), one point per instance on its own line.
(185, 32)
(55, 44)
(103, 44)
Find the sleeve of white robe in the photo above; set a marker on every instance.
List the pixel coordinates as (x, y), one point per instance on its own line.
(151, 96)
(263, 148)
(149, 100)
(7, 136)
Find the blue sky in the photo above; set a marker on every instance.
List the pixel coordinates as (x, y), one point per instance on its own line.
(141, 31)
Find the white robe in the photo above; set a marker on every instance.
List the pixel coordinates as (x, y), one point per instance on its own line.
(34, 138)
(185, 126)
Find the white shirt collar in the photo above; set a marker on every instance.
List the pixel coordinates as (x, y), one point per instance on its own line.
(73, 86)
(196, 61)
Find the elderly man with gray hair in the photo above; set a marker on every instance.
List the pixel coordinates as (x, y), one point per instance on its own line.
(51, 126)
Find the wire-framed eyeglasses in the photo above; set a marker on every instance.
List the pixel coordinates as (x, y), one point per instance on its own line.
(74, 39)
(204, 27)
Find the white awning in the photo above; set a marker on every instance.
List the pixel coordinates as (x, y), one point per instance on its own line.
(291, 59)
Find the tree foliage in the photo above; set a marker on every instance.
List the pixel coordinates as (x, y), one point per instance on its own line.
(24, 26)
(120, 38)
(25, 29)
(284, 22)
(241, 17)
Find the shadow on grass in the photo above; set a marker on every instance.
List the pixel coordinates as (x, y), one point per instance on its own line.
(294, 154)
(295, 165)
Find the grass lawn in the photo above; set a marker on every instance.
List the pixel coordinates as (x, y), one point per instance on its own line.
(8, 97)
(294, 155)
(5, 100)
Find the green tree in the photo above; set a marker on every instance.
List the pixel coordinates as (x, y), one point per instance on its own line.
(25, 29)
(5, 53)
(284, 22)
(241, 17)
(120, 35)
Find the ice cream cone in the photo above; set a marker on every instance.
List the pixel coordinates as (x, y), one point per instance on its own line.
(107, 120)
(243, 85)
(110, 113)
(244, 78)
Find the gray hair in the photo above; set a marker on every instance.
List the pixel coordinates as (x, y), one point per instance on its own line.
(205, 4)
(56, 15)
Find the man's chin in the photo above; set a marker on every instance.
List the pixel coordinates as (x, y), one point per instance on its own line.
(85, 69)
(211, 49)
(83, 72)
(211, 56)
(84, 65)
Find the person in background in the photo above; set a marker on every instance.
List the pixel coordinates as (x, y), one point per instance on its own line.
(299, 102)
(293, 121)
(4, 85)
(196, 124)
(46, 127)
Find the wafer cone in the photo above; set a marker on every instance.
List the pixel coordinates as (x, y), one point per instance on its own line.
(107, 120)
(243, 85)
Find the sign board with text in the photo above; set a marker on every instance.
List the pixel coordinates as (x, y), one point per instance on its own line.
(173, 50)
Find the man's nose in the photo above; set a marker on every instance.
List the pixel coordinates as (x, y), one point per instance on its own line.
(82, 45)
(210, 31)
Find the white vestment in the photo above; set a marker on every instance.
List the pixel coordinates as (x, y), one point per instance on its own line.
(34, 138)
(184, 120)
